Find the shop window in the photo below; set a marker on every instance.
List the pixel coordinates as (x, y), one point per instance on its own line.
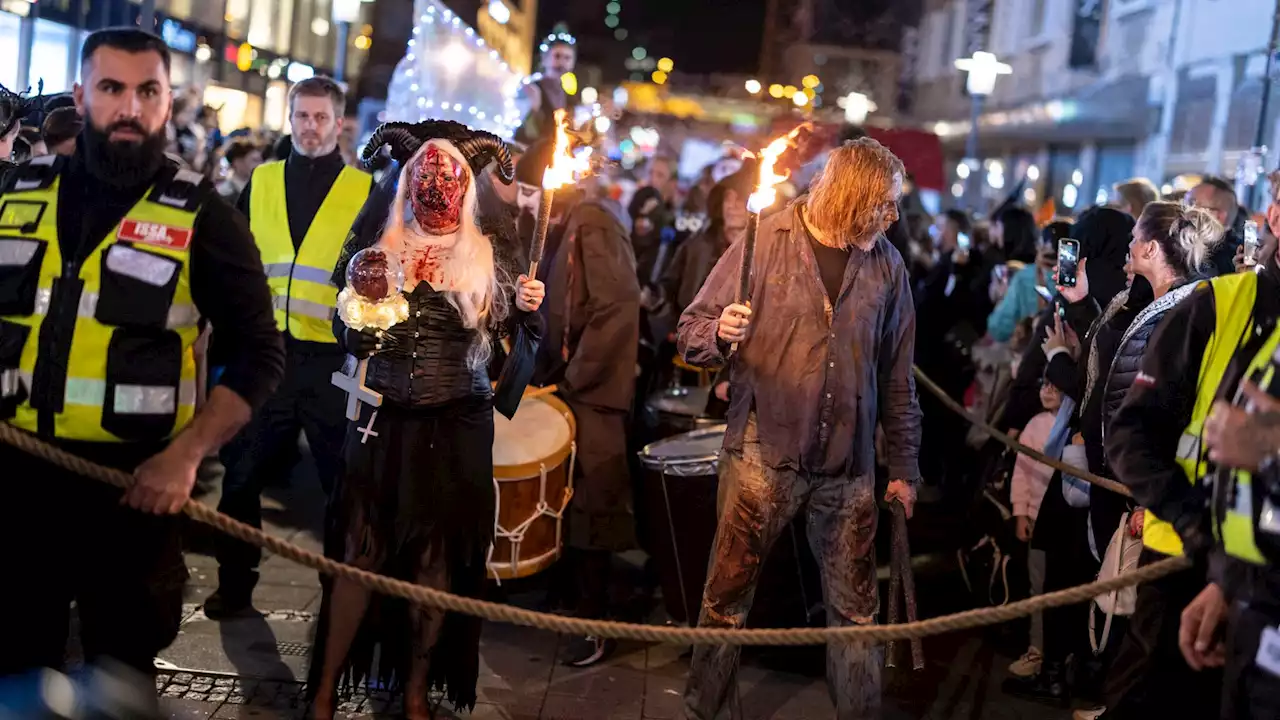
(238, 18)
(51, 56)
(10, 26)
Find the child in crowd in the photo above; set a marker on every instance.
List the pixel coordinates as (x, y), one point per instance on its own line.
(1030, 479)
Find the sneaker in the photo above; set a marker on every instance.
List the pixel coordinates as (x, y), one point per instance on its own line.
(1027, 665)
(1088, 713)
(587, 651)
(222, 605)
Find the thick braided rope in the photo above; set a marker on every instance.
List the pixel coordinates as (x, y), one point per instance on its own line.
(1030, 452)
(576, 626)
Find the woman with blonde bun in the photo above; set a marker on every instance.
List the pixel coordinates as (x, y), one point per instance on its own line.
(1171, 245)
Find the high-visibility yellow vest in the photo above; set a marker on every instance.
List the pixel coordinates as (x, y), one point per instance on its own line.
(1233, 297)
(302, 293)
(1234, 527)
(101, 352)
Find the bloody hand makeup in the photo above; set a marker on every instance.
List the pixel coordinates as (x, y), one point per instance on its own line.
(439, 185)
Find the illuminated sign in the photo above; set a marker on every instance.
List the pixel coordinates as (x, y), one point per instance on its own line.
(177, 37)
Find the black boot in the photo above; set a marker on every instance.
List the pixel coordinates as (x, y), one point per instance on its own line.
(1049, 686)
(233, 597)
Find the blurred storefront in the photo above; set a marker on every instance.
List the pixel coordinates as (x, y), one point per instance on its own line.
(240, 55)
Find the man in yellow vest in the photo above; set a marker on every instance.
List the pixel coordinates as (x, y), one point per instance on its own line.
(109, 260)
(300, 210)
(1198, 354)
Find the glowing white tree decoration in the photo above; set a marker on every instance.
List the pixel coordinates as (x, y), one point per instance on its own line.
(449, 73)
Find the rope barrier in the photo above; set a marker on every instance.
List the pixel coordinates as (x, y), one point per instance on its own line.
(496, 612)
(1009, 442)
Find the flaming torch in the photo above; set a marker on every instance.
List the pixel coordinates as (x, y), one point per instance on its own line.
(565, 169)
(765, 194)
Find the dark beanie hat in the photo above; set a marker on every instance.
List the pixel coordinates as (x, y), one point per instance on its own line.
(534, 161)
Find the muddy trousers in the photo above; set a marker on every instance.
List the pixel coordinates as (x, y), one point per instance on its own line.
(756, 505)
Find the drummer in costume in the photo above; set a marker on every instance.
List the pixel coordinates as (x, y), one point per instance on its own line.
(416, 500)
(824, 352)
(593, 335)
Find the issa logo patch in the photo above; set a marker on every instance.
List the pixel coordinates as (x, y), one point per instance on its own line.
(148, 233)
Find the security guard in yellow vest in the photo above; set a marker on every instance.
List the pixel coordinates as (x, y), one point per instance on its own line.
(1203, 349)
(301, 211)
(109, 260)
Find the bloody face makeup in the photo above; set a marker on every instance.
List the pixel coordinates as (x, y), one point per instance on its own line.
(439, 185)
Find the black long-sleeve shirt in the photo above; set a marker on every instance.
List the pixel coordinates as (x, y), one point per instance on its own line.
(1142, 441)
(306, 185)
(228, 284)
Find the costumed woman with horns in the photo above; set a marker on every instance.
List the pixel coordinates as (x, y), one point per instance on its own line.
(416, 500)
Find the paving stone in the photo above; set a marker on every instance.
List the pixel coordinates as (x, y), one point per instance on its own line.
(182, 709)
(598, 682)
(604, 707)
(516, 703)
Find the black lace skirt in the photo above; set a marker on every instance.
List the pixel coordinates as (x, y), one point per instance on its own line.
(417, 494)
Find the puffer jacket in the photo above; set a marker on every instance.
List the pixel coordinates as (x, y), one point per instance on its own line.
(1128, 357)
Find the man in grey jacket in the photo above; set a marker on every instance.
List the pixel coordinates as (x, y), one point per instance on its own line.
(824, 353)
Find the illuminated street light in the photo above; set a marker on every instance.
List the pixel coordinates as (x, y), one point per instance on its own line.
(613, 8)
(666, 65)
(611, 21)
(775, 90)
(589, 95)
(639, 53)
(659, 77)
(800, 99)
(811, 81)
(790, 91)
(753, 86)
(983, 69)
(856, 108)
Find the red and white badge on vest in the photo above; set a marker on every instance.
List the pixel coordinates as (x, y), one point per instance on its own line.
(149, 233)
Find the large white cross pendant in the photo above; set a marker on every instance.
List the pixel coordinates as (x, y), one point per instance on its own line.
(357, 392)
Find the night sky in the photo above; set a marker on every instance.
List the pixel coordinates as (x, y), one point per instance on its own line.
(701, 36)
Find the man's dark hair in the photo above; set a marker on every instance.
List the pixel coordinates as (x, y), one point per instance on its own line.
(130, 40)
(851, 132)
(238, 149)
(1219, 184)
(61, 125)
(320, 86)
(960, 218)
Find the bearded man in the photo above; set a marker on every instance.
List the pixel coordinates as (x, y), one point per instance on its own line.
(823, 352)
(112, 257)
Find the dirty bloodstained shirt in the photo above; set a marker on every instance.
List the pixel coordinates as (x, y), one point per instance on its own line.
(818, 376)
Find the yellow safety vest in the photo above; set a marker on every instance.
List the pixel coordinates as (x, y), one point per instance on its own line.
(1234, 528)
(1233, 297)
(302, 293)
(104, 355)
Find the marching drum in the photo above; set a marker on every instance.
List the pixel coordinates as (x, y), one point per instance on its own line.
(676, 410)
(680, 488)
(533, 455)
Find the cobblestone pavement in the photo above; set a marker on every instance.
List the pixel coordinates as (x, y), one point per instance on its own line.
(250, 667)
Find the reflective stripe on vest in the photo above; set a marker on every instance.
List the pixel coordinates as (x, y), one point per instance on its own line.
(1233, 297)
(142, 280)
(302, 294)
(1235, 531)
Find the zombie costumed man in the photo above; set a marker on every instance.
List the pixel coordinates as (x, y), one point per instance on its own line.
(416, 499)
(824, 352)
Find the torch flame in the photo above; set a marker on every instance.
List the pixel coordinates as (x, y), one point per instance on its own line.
(766, 192)
(566, 165)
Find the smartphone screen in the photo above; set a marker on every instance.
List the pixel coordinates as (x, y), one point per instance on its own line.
(964, 242)
(1251, 244)
(1068, 257)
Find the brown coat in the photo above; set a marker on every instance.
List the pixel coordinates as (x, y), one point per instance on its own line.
(590, 349)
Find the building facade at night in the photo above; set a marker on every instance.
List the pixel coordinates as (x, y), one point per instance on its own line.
(1099, 92)
(242, 54)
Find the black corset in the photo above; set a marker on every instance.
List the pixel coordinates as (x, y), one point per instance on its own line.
(429, 365)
